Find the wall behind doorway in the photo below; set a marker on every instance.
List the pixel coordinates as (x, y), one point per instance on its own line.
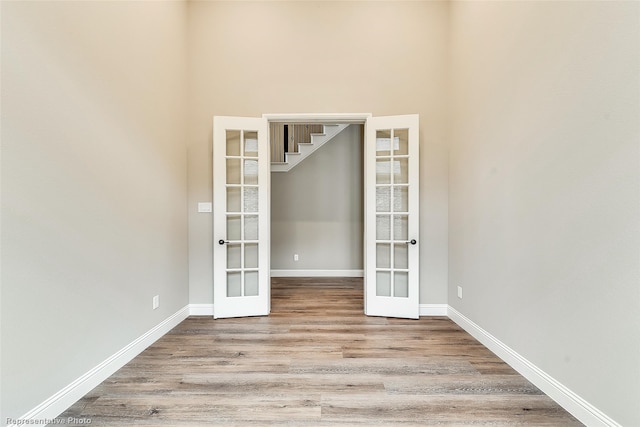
(317, 208)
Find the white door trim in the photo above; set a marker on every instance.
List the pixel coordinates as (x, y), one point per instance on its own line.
(327, 118)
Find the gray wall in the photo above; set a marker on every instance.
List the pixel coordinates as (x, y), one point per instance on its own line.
(545, 188)
(93, 186)
(316, 208)
(345, 62)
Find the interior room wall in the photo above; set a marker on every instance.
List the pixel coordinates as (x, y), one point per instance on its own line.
(383, 58)
(94, 186)
(317, 208)
(545, 188)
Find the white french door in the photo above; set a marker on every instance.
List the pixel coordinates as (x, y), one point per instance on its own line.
(391, 217)
(241, 173)
(241, 225)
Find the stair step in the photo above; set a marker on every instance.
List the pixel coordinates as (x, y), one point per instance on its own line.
(330, 131)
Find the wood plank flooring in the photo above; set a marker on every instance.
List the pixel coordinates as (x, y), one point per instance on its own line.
(318, 361)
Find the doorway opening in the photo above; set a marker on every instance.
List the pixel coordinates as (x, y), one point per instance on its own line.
(317, 206)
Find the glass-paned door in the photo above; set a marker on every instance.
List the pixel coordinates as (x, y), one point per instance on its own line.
(241, 217)
(391, 217)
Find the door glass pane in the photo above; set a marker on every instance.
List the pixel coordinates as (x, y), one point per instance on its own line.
(400, 199)
(251, 144)
(234, 287)
(233, 199)
(251, 227)
(383, 171)
(400, 256)
(401, 141)
(251, 172)
(383, 199)
(383, 227)
(383, 255)
(251, 255)
(251, 283)
(401, 284)
(401, 227)
(400, 171)
(383, 283)
(383, 142)
(233, 143)
(233, 227)
(233, 171)
(233, 255)
(250, 199)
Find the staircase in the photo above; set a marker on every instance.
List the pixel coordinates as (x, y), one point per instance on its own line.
(292, 143)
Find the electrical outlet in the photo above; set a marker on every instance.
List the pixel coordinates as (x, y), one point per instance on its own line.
(156, 302)
(296, 257)
(460, 292)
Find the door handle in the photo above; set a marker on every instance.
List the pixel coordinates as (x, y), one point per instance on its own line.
(222, 242)
(412, 241)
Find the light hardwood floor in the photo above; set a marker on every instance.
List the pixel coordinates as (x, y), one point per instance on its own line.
(318, 361)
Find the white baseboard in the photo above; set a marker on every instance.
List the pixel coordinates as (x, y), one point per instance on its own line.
(574, 404)
(425, 309)
(200, 309)
(433, 309)
(317, 273)
(62, 400)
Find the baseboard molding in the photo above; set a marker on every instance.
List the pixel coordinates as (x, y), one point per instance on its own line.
(574, 404)
(433, 309)
(425, 309)
(62, 400)
(317, 273)
(200, 309)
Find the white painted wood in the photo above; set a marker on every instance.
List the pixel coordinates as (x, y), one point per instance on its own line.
(433, 309)
(391, 306)
(317, 273)
(63, 399)
(318, 117)
(201, 309)
(239, 306)
(574, 404)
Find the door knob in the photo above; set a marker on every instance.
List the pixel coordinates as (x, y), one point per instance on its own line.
(412, 241)
(222, 242)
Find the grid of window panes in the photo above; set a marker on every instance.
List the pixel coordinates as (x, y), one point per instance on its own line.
(242, 213)
(392, 212)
